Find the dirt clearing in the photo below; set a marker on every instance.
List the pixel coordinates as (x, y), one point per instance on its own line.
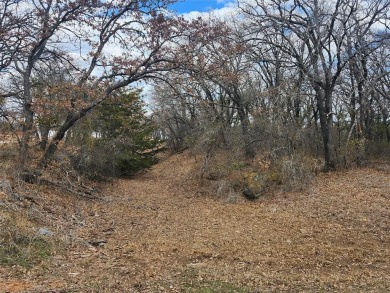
(159, 232)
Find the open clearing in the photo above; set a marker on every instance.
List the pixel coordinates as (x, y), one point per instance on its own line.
(164, 234)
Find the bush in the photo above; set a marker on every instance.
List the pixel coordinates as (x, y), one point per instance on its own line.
(298, 170)
(111, 158)
(115, 140)
(354, 152)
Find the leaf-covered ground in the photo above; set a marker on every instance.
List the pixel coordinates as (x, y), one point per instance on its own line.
(163, 233)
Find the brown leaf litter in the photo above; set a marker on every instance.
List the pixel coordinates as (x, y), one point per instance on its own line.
(160, 232)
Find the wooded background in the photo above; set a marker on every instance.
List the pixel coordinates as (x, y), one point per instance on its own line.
(290, 80)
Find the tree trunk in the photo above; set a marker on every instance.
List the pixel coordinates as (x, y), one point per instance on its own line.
(324, 104)
(386, 125)
(244, 120)
(53, 145)
(44, 138)
(248, 148)
(28, 116)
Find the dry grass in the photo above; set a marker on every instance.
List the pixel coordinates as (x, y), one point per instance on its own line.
(166, 233)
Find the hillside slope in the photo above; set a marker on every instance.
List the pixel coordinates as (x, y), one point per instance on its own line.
(159, 232)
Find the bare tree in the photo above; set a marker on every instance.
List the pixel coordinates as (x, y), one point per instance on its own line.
(11, 27)
(108, 45)
(314, 35)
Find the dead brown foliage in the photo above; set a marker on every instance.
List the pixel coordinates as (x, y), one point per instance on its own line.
(166, 233)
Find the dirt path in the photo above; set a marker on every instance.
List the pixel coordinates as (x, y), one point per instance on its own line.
(164, 236)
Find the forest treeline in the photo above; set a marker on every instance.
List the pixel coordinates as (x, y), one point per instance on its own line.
(283, 82)
(286, 77)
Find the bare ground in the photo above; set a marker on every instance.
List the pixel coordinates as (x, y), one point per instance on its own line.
(163, 233)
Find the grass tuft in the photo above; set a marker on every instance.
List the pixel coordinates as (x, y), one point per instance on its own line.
(19, 245)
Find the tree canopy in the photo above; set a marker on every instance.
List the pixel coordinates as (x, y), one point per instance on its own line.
(283, 77)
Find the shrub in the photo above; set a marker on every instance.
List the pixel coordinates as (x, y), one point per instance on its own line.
(115, 140)
(111, 158)
(298, 170)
